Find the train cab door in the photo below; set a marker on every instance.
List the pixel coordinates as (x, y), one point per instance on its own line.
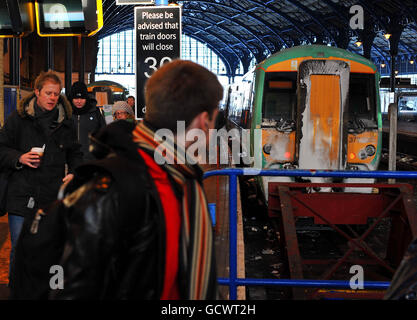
(103, 95)
(322, 95)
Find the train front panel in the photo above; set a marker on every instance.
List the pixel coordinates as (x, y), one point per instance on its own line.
(318, 108)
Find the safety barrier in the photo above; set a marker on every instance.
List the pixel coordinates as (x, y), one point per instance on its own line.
(233, 281)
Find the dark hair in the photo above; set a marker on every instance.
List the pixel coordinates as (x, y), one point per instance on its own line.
(47, 76)
(180, 90)
(131, 97)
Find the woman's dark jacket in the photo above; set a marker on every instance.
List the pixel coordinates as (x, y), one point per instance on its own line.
(25, 129)
(87, 120)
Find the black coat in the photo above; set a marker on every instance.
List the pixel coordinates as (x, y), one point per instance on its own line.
(22, 131)
(109, 231)
(87, 122)
(119, 248)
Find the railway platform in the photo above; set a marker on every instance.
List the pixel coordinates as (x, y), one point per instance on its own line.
(404, 127)
(217, 192)
(406, 142)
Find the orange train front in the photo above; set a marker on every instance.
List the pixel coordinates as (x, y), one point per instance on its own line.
(317, 107)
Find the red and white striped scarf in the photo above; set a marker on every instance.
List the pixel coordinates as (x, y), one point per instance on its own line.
(197, 268)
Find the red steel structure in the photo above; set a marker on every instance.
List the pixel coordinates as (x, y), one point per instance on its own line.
(342, 212)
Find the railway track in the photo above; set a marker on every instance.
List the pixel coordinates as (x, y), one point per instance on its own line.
(406, 149)
(405, 162)
(265, 256)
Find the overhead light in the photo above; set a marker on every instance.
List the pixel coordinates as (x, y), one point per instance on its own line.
(396, 71)
(387, 36)
(382, 65)
(412, 61)
(358, 43)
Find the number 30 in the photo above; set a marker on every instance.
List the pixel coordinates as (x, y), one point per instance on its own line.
(152, 64)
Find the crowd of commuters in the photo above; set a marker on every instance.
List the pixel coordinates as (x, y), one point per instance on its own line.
(125, 226)
(129, 228)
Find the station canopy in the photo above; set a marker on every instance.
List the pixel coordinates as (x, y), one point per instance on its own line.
(242, 30)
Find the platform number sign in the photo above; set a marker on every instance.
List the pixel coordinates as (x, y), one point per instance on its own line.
(158, 33)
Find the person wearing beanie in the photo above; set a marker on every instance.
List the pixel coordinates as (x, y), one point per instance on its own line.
(122, 111)
(86, 116)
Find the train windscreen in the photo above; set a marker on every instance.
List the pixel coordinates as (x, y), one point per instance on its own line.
(362, 101)
(280, 98)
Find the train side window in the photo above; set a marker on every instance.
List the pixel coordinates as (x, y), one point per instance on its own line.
(362, 97)
(277, 105)
(280, 98)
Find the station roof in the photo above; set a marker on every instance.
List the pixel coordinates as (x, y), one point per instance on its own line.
(240, 30)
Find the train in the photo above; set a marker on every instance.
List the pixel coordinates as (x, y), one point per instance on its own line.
(309, 107)
(107, 92)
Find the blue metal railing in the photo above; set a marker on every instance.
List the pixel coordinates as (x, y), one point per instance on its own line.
(233, 281)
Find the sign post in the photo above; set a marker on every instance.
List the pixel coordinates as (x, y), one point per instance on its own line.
(158, 33)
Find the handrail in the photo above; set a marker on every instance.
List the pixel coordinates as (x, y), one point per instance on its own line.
(313, 173)
(233, 281)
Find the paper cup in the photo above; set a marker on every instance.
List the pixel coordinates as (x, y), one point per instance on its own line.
(39, 151)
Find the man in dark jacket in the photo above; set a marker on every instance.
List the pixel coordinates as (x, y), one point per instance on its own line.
(138, 228)
(42, 119)
(86, 116)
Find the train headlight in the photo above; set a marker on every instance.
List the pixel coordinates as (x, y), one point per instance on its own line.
(267, 148)
(370, 150)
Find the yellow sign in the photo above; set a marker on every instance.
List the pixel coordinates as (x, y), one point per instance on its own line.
(68, 17)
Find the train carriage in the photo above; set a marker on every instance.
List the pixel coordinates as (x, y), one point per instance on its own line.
(317, 107)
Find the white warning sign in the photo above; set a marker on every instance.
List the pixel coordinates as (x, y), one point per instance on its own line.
(158, 40)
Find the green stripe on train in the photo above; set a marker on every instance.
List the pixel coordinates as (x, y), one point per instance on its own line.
(315, 51)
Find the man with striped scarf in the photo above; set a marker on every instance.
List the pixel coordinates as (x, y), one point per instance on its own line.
(139, 228)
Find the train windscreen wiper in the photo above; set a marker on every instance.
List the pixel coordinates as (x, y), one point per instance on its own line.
(356, 125)
(285, 125)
